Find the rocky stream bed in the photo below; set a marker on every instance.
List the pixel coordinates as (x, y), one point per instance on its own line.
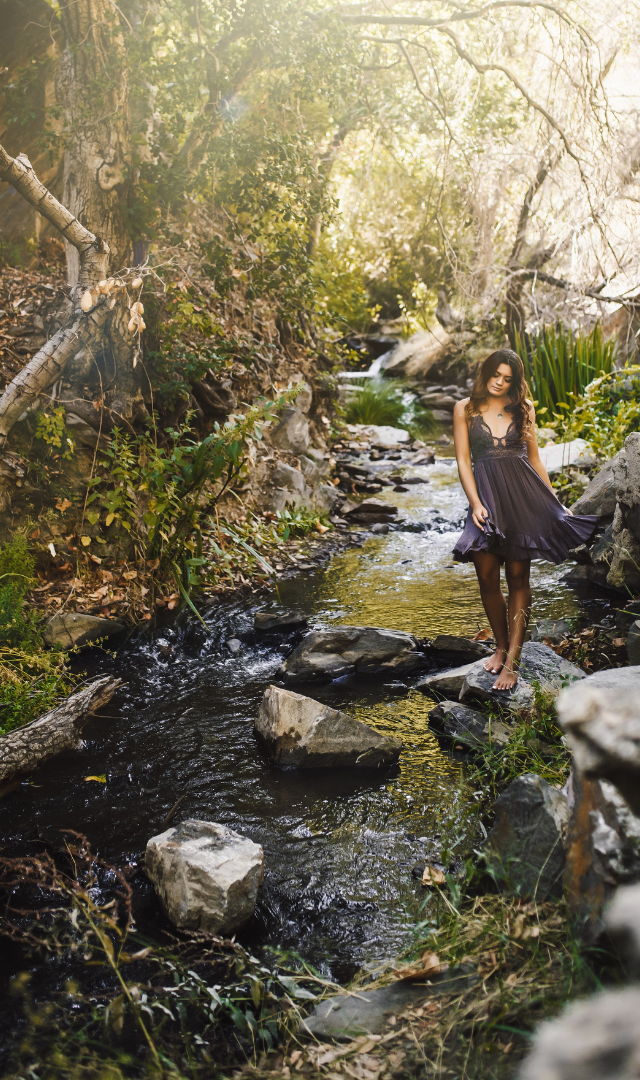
(341, 847)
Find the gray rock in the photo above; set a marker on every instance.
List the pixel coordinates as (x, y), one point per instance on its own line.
(556, 630)
(365, 650)
(325, 497)
(284, 621)
(371, 510)
(601, 718)
(626, 471)
(442, 416)
(234, 645)
(460, 647)
(310, 469)
(623, 557)
(598, 1039)
(600, 496)
(525, 847)
(367, 1012)
(539, 664)
(285, 476)
(473, 729)
(446, 684)
(302, 733)
(71, 629)
(622, 920)
(380, 527)
(292, 433)
(304, 399)
(439, 401)
(206, 876)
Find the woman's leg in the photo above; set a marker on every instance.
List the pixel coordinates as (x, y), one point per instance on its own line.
(488, 570)
(517, 575)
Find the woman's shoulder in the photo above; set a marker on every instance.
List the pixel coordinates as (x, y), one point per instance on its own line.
(460, 407)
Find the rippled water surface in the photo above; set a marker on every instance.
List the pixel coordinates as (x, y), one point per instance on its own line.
(339, 845)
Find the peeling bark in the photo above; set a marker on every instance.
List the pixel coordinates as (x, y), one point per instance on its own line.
(23, 750)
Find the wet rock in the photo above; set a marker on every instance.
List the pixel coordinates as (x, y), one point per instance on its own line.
(473, 729)
(292, 433)
(371, 511)
(446, 684)
(302, 733)
(460, 648)
(266, 622)
(598, 1039)
(556, 630)
(600, 496)
(601, 718)
(633, 643)
(71, 629)
(539, 664)
(365, 650)
(206, 876)
(525, 847)
(380, 527)
(347, 1016)
(234, 645)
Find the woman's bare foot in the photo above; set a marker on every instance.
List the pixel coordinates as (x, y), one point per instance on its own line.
(507, 678)
(495, 662)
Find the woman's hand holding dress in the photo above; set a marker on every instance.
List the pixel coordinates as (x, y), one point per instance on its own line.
(479, 515)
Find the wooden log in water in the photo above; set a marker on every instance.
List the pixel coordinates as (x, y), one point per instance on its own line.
(22, 750)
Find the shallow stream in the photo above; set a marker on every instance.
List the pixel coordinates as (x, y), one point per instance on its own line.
(339, 846)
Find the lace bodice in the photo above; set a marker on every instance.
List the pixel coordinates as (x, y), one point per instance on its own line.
(486, 445)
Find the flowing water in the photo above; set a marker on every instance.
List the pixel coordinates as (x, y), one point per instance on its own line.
(339, 846)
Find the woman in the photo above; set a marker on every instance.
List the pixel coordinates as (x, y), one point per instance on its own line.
(514, 515)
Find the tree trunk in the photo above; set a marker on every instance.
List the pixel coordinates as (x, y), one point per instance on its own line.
(23, 750)
(92, 86)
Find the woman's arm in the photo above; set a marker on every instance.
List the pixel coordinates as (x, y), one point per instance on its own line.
(463, 457)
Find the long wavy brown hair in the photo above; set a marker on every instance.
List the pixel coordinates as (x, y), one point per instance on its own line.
(519, 392)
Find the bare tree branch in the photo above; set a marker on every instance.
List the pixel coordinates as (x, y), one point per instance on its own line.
(460, 16)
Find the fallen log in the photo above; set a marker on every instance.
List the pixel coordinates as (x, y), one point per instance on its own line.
(21, 751)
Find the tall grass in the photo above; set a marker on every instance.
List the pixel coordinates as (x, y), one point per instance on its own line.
(561, 364)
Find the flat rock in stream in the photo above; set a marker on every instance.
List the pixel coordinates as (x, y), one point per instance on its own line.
(367, 1012)
(71, 629)
(539, 664)
(457, 723)
(364, 650)
(460, 648)
(445, 684)
(269, 622)
(371, 511)
(206, 876)
(302, 733)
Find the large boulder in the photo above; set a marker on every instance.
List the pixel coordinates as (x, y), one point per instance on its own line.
(459, 724)
(206, 876)
(302, 733)
(415, 357)
(601, 718)
(292, 433)
(627, 480)
(623, 572)
(525, 847)
(600, 496)
(539, 664)
(365, 650)
(597, 1039)
(71, 629)
(445, 684)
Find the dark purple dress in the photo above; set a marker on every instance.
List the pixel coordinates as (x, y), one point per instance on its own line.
(526, 520)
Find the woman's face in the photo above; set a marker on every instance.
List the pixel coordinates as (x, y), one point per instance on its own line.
(500, 383)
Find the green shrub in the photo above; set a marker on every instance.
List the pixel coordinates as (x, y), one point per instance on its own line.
(606, 413)
(560, 365)
(376, 403)
(17, 628)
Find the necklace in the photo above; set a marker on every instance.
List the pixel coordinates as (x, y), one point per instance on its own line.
(499, 416)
